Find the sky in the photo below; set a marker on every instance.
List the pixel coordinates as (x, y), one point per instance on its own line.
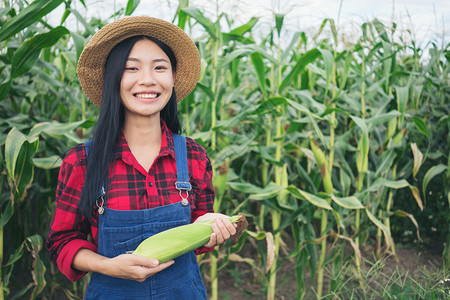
(428, 20)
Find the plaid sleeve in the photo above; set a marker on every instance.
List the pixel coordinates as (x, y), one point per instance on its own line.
(201, 173)
(68, 229)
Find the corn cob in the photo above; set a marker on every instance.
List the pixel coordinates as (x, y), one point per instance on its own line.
(177, 241)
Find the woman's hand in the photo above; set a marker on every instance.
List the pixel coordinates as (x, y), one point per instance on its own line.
(125, 266)
(223, 229)
(134, 267)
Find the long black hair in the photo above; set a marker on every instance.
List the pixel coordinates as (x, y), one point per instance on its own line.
(111, 119)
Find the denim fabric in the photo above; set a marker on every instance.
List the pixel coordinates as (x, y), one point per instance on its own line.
(122, 231)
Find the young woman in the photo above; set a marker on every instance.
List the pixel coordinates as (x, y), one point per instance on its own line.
(137, 176)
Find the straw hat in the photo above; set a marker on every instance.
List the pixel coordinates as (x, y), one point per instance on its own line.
(91, 65)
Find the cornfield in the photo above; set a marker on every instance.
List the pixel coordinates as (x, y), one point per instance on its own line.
(324, 147)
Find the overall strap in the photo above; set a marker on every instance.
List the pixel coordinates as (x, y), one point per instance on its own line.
(102, 193)
(182, 183)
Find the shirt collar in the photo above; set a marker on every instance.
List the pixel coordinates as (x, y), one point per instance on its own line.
(167, 146)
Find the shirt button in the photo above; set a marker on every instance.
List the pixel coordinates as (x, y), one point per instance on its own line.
(150, 184)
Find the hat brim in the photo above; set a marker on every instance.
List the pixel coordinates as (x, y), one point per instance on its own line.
(91, 65)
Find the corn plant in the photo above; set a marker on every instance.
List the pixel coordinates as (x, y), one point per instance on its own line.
(316, 143)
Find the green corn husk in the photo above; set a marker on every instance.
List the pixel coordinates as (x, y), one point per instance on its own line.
(177, 241)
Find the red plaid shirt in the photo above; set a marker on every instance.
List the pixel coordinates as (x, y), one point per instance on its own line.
(131, 188)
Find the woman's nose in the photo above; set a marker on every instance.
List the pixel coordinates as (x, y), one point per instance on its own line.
(147, 77)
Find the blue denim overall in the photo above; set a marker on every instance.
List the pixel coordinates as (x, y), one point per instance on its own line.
(121, 231)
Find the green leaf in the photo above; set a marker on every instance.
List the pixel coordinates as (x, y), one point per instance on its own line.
(58, 130)
(34, 245)
(362, 155)
(4, 89)
(27, 54)
(348, 202)
(404, 214)
(13, 146)
(383, 228)
(311, 116)
(65, 15)
(381, 29)
(24, 170)
(418, 159)
(361, 124)
(241, 30)
(294, 42)
(432, 172)
(89, 28)
(421, 126)
(27, 16)
(302, 62)
(306, 97)
(402, 100)
(6, 214)
(258, 63)
(244, 51)
(131, 6)
(382, 118)
(329, 61)
(79, 42)
(268, 192)
(267, 156)
(345, 72)
(396, 184)
(245, 187)
(47, 163)
(317, 201)
(196, 14)
(279, 18)
(387, 160)
(15, 256)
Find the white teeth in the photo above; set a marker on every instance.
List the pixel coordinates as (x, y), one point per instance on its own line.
(147, 96)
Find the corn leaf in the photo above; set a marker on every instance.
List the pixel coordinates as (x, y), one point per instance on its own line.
(258, 64)
(131, 6)
(351, 202)
(418, 159)
(197, 15)
(17, 142)
(383, 228)
(34, 245)
(401, 213)
(402, 100)
(47, 163)
(302, 62)
(27, 54)
(27, 16)
(421, 126)
(241, 30)
(431, 173)
(317, 201)
(7, 213)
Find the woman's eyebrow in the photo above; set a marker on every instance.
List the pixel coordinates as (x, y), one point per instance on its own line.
(155, 60)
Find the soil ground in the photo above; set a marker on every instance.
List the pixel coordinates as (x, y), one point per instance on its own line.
(237, 280)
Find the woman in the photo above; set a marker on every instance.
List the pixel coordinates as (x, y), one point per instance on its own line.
(137, 176)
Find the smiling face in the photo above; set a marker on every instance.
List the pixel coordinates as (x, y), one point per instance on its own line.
(147, 80)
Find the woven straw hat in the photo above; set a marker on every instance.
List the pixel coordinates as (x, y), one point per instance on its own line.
(91, 65)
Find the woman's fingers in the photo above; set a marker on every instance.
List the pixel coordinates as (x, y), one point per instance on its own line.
(212, 241)
(134, 267)
(223, 229)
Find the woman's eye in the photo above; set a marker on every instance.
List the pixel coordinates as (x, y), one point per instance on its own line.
(131, 68)
(161, 68)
